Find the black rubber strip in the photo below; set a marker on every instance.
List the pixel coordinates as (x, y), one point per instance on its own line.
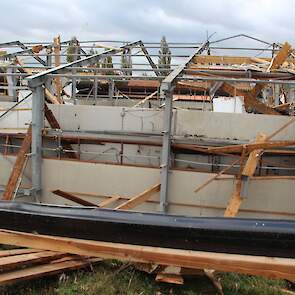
(273, 238)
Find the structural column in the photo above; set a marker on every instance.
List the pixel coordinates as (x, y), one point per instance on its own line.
(37, 127)
(111, 90)
(166, 148)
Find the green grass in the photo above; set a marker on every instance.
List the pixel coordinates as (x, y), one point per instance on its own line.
(114, 278)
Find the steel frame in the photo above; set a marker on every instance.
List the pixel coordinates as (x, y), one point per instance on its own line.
(71, 70)
(166, 92)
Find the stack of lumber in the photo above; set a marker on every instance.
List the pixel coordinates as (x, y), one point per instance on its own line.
(24, 264)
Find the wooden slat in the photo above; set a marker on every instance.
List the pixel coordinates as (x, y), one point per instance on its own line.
(5, 253)
(105, 203)
(44, 270)
(145, 99)
(74, 198)
(248, 264)
(280, 58)
(235, 200)
(227, 60)
(18, 166)
(252, 146)
(140, 198)
(10, 262)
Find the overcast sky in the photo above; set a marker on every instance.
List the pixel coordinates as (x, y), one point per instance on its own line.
(179, 20)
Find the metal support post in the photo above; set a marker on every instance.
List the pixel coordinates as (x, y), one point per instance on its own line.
(12, 83)
(111, 90)
(49, 81)
(95, 90)
(74, 87)
(165, 158)
(37, 126)
(74, 80)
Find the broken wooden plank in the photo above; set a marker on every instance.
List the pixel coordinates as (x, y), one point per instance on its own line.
(169, 278)
(236, 198)
(140, 198)
(10, 262)
(276, 63)
(254, 157)
(235, 201)
(281, 57)
(247, 171)
(18, 166)
(250, 100)
(255, 265)
(44, 270)
(73, 198)
(108, 201)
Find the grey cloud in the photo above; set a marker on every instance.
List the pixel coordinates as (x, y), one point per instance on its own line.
(179, 20)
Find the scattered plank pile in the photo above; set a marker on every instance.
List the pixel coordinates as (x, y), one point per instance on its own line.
(25, 264)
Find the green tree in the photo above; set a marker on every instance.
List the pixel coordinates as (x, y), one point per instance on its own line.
(73, 50)
(107, 62)
(164, 61)
(126, 62)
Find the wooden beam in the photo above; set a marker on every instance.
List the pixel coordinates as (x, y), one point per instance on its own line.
(73, 198)
(145, 99)
(18, 167)
(44, 270)
(227, 60)
(280, 58)
(105, 203)
(5, 253)
(140, 198)
(247, 171)
(235, 201)
(249, 147)
(255, 265)
(254, 157)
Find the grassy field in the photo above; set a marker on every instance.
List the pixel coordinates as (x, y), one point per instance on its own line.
(113, 278)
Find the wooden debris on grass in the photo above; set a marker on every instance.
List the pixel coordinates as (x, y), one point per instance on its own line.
(26, 264)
